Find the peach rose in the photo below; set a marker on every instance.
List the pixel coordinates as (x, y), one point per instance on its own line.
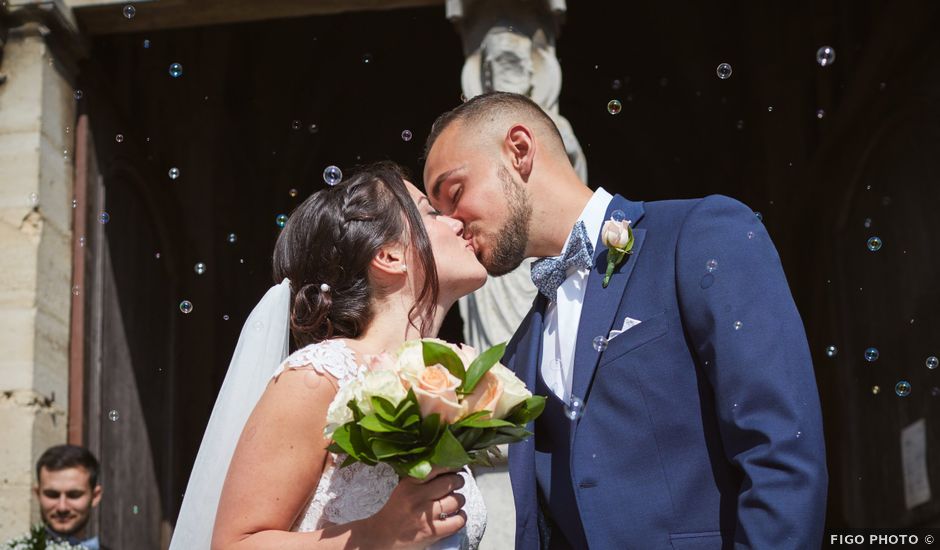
(513, 390)
(436, 391)
(485, 396)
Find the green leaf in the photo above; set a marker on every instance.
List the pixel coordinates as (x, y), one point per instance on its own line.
(383, 408)
(500, 436)
(343, 439)
(357, 414)
(359, 444)
(419, 470)
(382, 449)
(410, 420)
(375, 424)
(481, 365)
(435, 353)
(469, 417)
(527, 411)
(448, 452)
(430, 427)
(486, 423)
(468, 437)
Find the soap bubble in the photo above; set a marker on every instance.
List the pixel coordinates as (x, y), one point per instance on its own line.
(614, 106)
(574, 408)
(724, 71)
(332, 175)
(825, 56)
(186, 306)
(174, 173)
(176, 70)
(130, 11)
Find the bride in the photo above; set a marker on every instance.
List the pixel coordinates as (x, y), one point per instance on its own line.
(366, 264)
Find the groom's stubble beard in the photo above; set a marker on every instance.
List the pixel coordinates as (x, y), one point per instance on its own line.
(511, 239)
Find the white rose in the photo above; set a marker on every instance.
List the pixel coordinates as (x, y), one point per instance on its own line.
(514, 391)
(383, 383)
(410, 360)
(339, 413)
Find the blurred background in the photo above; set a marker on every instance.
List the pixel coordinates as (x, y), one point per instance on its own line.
(148, 148)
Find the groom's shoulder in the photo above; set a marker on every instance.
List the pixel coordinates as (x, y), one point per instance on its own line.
(675, 212)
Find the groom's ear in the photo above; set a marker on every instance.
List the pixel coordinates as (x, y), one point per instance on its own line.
(390, 260)
(520, 142)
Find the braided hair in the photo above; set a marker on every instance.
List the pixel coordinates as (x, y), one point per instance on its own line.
(328, 243)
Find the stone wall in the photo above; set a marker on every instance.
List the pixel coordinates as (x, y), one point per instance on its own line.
(37, 111)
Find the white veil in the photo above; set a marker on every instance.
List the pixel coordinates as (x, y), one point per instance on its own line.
(262, 346)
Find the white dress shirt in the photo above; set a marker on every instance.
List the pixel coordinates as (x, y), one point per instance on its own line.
(562, 316)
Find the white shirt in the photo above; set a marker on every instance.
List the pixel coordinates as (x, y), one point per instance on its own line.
(562, 316)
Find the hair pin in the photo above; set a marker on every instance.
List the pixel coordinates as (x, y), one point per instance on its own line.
(324, 287)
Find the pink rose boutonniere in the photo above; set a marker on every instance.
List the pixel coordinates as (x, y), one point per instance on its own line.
(617, 236)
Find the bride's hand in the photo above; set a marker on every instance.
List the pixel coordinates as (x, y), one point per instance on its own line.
(412, 516)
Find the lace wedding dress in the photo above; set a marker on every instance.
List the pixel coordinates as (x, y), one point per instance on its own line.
(359, 491)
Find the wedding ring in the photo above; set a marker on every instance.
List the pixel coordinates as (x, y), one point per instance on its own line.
(442, 516)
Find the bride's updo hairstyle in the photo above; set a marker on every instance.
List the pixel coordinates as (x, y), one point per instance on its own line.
(329, 242)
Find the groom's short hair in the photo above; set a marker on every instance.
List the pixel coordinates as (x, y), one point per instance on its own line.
(491, 107)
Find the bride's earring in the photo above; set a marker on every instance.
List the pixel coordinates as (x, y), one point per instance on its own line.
(403, 268)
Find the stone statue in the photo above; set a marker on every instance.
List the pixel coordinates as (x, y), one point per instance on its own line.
(510, 47)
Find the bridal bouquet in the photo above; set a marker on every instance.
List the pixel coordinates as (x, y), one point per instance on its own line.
(431, 404)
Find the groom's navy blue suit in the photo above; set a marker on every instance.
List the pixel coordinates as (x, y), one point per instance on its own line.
(701, 425)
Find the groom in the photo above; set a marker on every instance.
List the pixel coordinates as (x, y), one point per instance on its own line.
(682, 408)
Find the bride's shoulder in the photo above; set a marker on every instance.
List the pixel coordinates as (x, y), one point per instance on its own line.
(331, 357)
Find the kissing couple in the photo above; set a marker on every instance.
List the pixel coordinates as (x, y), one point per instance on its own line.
(681, 404)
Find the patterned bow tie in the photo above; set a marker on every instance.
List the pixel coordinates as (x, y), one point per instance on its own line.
(549, 273)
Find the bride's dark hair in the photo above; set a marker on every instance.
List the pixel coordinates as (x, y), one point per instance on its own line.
(332, 237)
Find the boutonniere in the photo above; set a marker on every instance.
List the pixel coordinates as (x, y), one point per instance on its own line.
(617, 236)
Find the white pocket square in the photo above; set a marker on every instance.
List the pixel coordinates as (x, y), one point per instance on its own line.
(628, 323)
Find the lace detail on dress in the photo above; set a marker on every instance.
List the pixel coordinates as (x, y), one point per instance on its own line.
(331, 357)
(359, 491)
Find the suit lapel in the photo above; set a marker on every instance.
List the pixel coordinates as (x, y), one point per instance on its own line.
(600, 305)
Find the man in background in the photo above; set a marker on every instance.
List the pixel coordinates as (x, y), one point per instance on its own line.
(67, 489)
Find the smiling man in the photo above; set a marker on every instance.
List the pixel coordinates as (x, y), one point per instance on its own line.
(67, 489)
(681, 406)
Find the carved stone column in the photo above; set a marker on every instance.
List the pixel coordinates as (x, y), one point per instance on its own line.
(510, 47)
(36, 107)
